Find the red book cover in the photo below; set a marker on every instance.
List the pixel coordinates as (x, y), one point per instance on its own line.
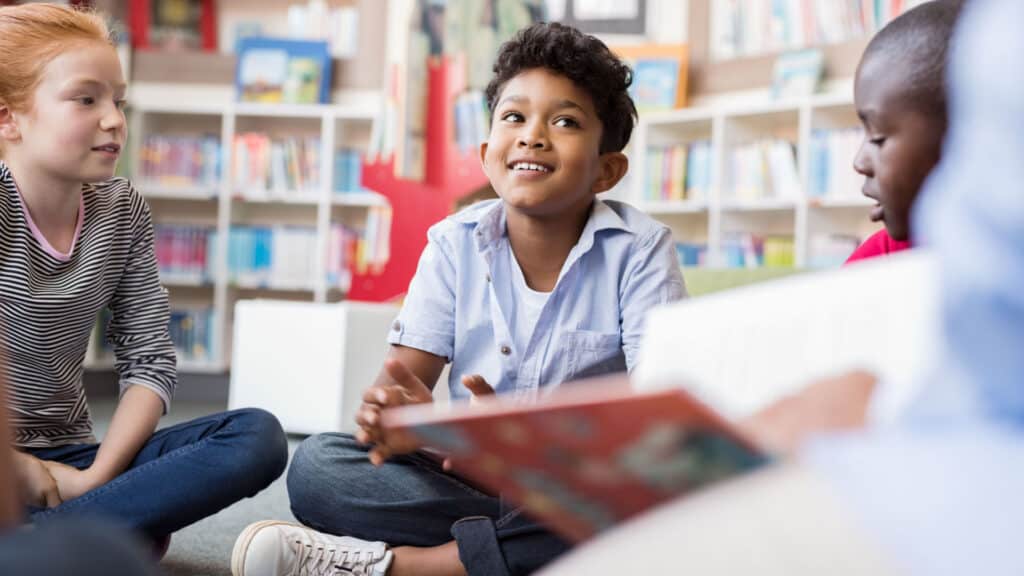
(588, 456)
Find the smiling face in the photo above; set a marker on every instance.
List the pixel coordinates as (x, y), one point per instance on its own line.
(75, 127)
(542, 155)
(902, 143)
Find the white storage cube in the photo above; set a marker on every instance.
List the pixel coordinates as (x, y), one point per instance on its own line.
(307, 363)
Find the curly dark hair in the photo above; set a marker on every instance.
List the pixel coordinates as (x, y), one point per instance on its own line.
(581, 58)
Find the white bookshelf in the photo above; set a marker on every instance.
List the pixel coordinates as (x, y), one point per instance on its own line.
(220, 207)
(726, 125)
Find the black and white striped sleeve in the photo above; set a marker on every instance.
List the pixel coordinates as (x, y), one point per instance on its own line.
(140, 314)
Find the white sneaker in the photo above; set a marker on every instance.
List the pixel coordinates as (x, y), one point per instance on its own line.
(274, 548)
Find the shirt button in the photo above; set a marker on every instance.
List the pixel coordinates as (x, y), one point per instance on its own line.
(505, 350)
(397, 326)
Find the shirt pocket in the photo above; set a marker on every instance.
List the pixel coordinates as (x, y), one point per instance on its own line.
(593, 353)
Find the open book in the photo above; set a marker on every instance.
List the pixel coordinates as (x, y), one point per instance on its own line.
(589, 455)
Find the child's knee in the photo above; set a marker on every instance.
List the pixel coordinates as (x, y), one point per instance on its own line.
(318, 469)
(265, 442)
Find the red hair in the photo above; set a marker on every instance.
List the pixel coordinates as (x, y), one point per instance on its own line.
(32, 35)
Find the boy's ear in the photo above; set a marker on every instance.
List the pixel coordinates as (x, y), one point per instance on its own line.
(8, 125)
(613, 167)
(483, 154)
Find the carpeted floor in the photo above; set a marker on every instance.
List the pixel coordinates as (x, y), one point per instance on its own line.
(204, 549)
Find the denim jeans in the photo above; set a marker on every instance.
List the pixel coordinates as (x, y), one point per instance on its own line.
(182, 474)
(77, 546)
(411, 501)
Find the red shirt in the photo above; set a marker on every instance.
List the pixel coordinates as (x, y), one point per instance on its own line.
(879, 244)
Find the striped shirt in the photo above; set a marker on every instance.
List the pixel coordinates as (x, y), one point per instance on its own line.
(49, 304)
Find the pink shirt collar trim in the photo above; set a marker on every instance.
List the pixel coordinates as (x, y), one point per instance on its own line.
(47, 247)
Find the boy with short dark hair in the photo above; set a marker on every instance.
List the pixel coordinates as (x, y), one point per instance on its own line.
(900, 95)
(546, 285)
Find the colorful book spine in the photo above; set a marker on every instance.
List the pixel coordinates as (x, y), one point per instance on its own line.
(763, 170)
(348, 171)
(691, 254)
(182, 253)
(751, 27)
(191, 331)
(273, 167)
(678, 173)
(744, 250)
(832, 155)
(180, 161)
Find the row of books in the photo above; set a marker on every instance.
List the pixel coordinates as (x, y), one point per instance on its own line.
(182, 253)
(681, 172)
(284, 257)
(751, 251)
(268, 166)
(744, 250)
(280, 257)
(372, 248)
(192, 334)
(831, 163)
(764, 169)
(348, 171)
(472, 121)
(363, 251)
(191, 331)
(692, 254)
(275, 257)
(264, 167)
(180, 161)
(750, 27)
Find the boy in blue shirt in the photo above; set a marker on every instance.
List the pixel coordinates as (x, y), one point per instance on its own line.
(546, 285)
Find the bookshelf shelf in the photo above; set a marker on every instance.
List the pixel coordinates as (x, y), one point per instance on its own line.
(225, 210)
(312, 111)
(358, 199)
(161, 192)
(788, 212)
(296, 198)
(764, 205)
(842, 202)
(271, 287)
(669, 207)
(171, 281)
(194, 367)
(190, 366)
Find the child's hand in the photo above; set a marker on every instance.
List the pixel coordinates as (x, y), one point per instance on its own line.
(38, 486)
(835, 404)
(476, 384)
(398, 387)
(71, 482)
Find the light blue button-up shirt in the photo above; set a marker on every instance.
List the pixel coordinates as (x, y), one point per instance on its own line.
(461, 304)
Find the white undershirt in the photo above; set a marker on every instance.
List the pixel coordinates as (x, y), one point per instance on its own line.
(529, 304)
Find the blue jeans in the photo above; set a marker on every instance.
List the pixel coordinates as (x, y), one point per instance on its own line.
(181, 475)
(410, 501)
(80, 547)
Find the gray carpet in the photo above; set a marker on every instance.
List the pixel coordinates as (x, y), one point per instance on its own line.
(205, 547)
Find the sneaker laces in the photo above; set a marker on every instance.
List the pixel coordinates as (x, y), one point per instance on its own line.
(321, 560)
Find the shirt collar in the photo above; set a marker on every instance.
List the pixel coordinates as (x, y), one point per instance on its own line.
(489, 223)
